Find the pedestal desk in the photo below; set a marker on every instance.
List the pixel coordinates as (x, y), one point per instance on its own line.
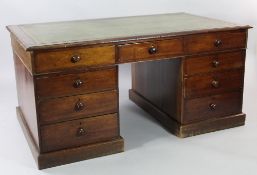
(187, 72)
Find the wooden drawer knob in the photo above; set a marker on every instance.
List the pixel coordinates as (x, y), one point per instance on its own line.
(75, 59)
(81, 132)
(79, 106)
(152, 50)
(217, 43)
(77, 83)
(215, 83)
(212, 106)
(215, 63)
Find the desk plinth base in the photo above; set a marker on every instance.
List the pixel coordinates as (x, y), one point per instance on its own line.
(51, 159)
(187, 130)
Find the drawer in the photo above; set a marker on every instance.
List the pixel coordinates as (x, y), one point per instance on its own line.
(214, 62)
(215, 41)
(74, 107)
(80, 83)
(214, 106)
(79, 132)
(150, 50)
(57, 60)
(214, 83)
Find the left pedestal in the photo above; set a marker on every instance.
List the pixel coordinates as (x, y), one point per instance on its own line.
(67, 115)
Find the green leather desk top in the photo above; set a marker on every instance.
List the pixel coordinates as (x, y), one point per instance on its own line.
(63, 34)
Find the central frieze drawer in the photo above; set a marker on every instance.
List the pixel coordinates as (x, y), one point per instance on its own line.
(58, 60)
(150, 50)
(214, 83)
(78, 83)
(74, 107)
(79, 132)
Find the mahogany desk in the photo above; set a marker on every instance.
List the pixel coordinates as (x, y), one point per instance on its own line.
(67, 80)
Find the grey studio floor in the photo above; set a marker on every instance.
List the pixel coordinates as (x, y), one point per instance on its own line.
(149, 148)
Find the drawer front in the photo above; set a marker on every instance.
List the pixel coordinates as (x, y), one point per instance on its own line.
(58, 60)
(216, 41)
(214, 62)
(74, 107)
(150, 50)
(73, 84)
(79, 132)
(213, 106)
(214, 83)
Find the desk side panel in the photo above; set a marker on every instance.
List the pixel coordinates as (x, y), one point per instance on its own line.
(160, 83)
(26, 97)
(24, 56)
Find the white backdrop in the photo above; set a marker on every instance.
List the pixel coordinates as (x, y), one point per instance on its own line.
(149, 148)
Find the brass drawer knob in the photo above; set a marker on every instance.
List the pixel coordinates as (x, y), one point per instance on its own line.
(75, 59)
(217, 43)
(77, 83)
(79, 106)
(81, 132)
(215, 83)
(212, 106)
(152, 50)
(215, 63)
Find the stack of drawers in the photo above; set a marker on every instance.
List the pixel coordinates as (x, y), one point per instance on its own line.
(213, 85)
(213, 81)
(77, 108)
(76, 99)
